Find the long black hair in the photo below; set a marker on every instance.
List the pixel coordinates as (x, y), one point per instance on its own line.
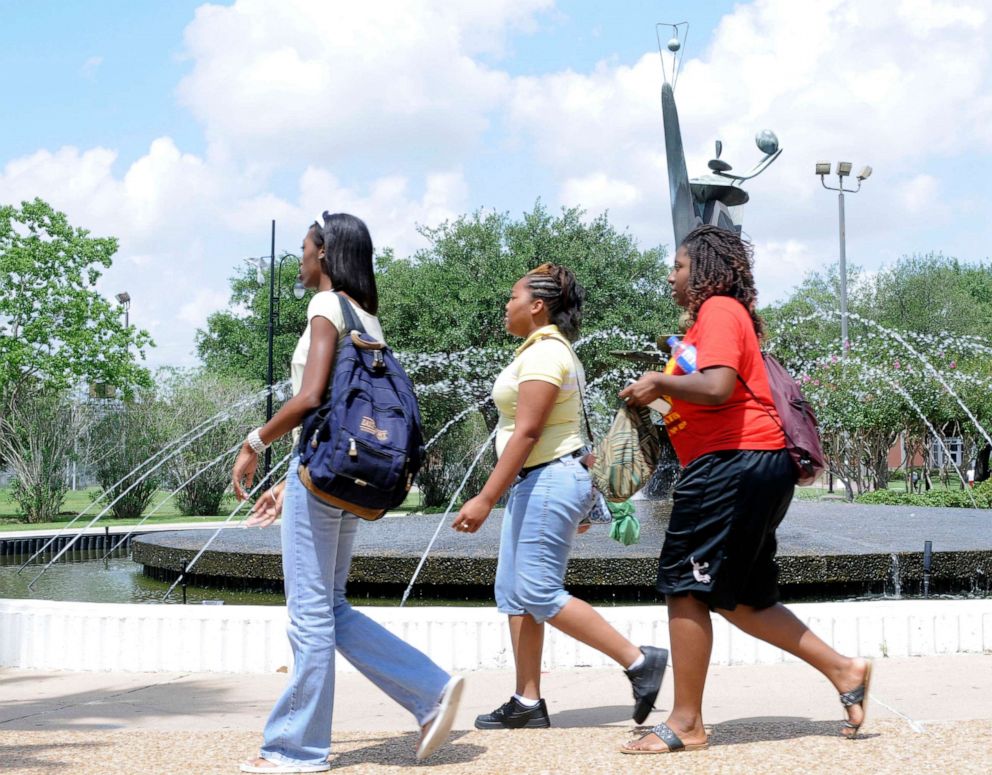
(348, 257)
(557, 287)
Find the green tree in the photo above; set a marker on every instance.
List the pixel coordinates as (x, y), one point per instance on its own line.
(933, 295)
(55, 329)
(235, 342)
(448, 298)
(915, 326)
(442, 309)
(56, 332)
(450, 295)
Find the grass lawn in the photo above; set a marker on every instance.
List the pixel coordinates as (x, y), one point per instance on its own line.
(78, 500)
(815, 493)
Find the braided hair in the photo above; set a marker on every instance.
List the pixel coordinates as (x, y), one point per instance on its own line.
(562, 295)
(721, 265)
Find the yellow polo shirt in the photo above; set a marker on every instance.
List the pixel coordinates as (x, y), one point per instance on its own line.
(545, 356)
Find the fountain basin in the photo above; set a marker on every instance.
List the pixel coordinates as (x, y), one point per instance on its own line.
(252, 639)
(824, 549)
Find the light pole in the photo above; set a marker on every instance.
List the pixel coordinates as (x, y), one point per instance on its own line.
(125, 299)
(843, 171)
(274, 296)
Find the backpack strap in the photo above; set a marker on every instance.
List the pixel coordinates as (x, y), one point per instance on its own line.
(351, 323)
(778, 420)
(579, 374)
(351, 320)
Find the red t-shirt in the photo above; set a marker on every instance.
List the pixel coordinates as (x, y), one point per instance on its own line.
(723, 335)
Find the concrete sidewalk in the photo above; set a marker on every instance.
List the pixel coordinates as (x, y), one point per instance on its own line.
(931, 714)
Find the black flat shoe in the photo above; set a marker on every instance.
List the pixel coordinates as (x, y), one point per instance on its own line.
(646, 680)
(514, 715)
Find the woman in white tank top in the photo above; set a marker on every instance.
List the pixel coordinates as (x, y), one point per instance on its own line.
(317, 538)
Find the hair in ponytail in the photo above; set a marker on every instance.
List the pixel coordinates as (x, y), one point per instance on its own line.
(562, 295)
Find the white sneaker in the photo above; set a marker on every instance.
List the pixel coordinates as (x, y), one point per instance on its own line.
(440, 725)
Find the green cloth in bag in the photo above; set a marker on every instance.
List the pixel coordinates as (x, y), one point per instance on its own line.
(625, 528)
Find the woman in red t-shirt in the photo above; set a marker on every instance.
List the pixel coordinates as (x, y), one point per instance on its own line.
(735, 488)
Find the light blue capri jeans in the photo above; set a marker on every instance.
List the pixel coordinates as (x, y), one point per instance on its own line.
(317, 542)
(542, 515)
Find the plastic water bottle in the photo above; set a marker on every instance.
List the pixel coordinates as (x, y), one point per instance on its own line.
(684, 354)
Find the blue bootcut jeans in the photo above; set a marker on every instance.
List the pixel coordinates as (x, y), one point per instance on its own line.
(539, 527)
(317, 542)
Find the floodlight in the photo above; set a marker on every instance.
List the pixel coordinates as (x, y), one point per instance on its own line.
(823, 168)
(844, 168)
(124, 297)
(865, 173)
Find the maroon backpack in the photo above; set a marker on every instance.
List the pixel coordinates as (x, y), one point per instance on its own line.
(796, 419)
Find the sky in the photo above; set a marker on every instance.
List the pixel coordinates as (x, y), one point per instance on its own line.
(183, 129)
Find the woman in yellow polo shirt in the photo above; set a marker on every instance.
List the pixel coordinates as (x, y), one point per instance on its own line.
(539, 447)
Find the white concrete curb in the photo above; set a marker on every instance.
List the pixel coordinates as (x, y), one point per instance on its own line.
(49, 635)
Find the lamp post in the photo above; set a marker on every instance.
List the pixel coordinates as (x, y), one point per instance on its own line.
(843, 171)
(274, 296)
(125, 300)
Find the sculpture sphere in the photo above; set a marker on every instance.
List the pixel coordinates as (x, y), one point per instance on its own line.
(674, 45)
(766, 141)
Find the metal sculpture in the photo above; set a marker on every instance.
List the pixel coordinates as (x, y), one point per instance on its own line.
(713, 198)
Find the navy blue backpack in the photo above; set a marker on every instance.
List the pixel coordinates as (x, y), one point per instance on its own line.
(361, 449)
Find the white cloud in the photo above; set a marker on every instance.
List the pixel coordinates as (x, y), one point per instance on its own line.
(388, 205)
(836, 79)
(780, 266)
(383, 110)
(920, 194)
(79, 177)
(311, 80)
(598, 192)
(198, 309)
(185, 222)
(163, 188)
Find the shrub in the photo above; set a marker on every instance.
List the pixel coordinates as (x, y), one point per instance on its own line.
(449, 458)
(949, 499)
(888, 498)
(983, 494)
(131, 433)
(37, 435)
(933, 498)
(190, 398)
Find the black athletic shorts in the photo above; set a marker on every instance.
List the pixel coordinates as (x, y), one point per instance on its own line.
(720, 543)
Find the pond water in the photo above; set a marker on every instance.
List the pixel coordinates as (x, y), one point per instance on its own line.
(116, 580)
(88, 579)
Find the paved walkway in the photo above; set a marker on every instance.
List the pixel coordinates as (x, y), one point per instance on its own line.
(930, 714)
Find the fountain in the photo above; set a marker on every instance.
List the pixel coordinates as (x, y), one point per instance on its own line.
(854, 556)
(387, 552)
(826, 550)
